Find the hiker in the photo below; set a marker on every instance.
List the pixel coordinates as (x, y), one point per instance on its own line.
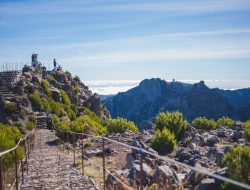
(54, 64)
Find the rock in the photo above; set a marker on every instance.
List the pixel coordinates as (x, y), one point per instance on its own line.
(56, 94)
(210, 140)
(207, 184)
(217, 154)
(111, 182)
(136, 173)
(183, 154)
(165, 176)
(36, 80)
(193, 177)
(237, 135)
(28, 69)
(93, 152)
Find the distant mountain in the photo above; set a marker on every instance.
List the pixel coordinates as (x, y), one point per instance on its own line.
(144, 102)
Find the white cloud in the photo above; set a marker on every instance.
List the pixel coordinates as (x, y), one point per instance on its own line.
(111, 87)
(104, 87)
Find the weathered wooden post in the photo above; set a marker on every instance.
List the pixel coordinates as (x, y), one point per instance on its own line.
(1, 174)
(26, 156)
(103, 163)
(16, 169)
(141, 171)
(68, 141)
(74, 149)
(82, 158)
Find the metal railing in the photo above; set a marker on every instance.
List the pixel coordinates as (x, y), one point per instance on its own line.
(11, 66)
(143, 153)
(27, 144)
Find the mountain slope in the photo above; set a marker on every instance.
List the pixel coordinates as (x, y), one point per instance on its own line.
(152, 96)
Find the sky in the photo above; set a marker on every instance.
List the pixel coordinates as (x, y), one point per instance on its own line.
(130, 40)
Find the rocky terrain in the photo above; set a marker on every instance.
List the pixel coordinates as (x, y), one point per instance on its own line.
(199, 148)
(144, 102)
(15, 87)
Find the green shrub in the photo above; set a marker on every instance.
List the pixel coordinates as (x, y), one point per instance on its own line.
(68, 74)
(10, 107)
(76, 78)
(87, 124)
(246, 127)
(225, 121)
(65, 98)
(45, 85)
(237, 162)
(31, 123)
(76, 90)
(9, 136)
(57, 108)
(71, 114)
(173, 121)
(36, 101)
(204, 123)
(120, 125)
(163, 142)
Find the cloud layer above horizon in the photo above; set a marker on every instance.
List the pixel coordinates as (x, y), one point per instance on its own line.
(131, 40)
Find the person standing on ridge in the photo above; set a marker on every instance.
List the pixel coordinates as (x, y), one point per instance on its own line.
(54, 64)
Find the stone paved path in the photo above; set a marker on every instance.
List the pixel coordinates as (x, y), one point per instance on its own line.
(50, 168)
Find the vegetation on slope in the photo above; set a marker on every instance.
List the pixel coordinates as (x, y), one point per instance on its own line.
(9, 136)
(225, 121)
(237, 162)
(163, 142)
(173, 121)
(247, 130)
(204, 123)
(120, 125)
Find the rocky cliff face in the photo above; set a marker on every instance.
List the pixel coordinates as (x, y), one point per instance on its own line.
(15, 105)
(152, 96)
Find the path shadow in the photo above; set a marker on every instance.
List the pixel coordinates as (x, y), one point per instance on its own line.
(53, 142)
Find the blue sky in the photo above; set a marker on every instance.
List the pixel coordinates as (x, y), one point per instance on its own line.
(131, 39)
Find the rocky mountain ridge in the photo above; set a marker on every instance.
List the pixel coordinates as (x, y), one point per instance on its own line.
(144, 102)
(15, 88)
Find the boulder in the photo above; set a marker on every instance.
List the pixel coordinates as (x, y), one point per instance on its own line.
(165, 176)
(56, 94)
(193, 177)
(112, 183)
(217, 154)
(135, 173)
(237, 135)
(210, 140)
(36, 79)
(206, 184)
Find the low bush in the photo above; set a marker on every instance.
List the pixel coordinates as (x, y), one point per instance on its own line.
(225, 121)
(36, 101)
(76, 90)
(45, 85)
(87, 124)
(246, 127)
(237, 162)
(76, 78)
(10, 107)
(68, 74)
(120, 125)
(9, 136)
(31, 123)
(204, 123)
(173, 121)
(65, 98)
(163, 142)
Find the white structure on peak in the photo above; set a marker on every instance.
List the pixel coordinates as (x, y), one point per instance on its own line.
(34, 61)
